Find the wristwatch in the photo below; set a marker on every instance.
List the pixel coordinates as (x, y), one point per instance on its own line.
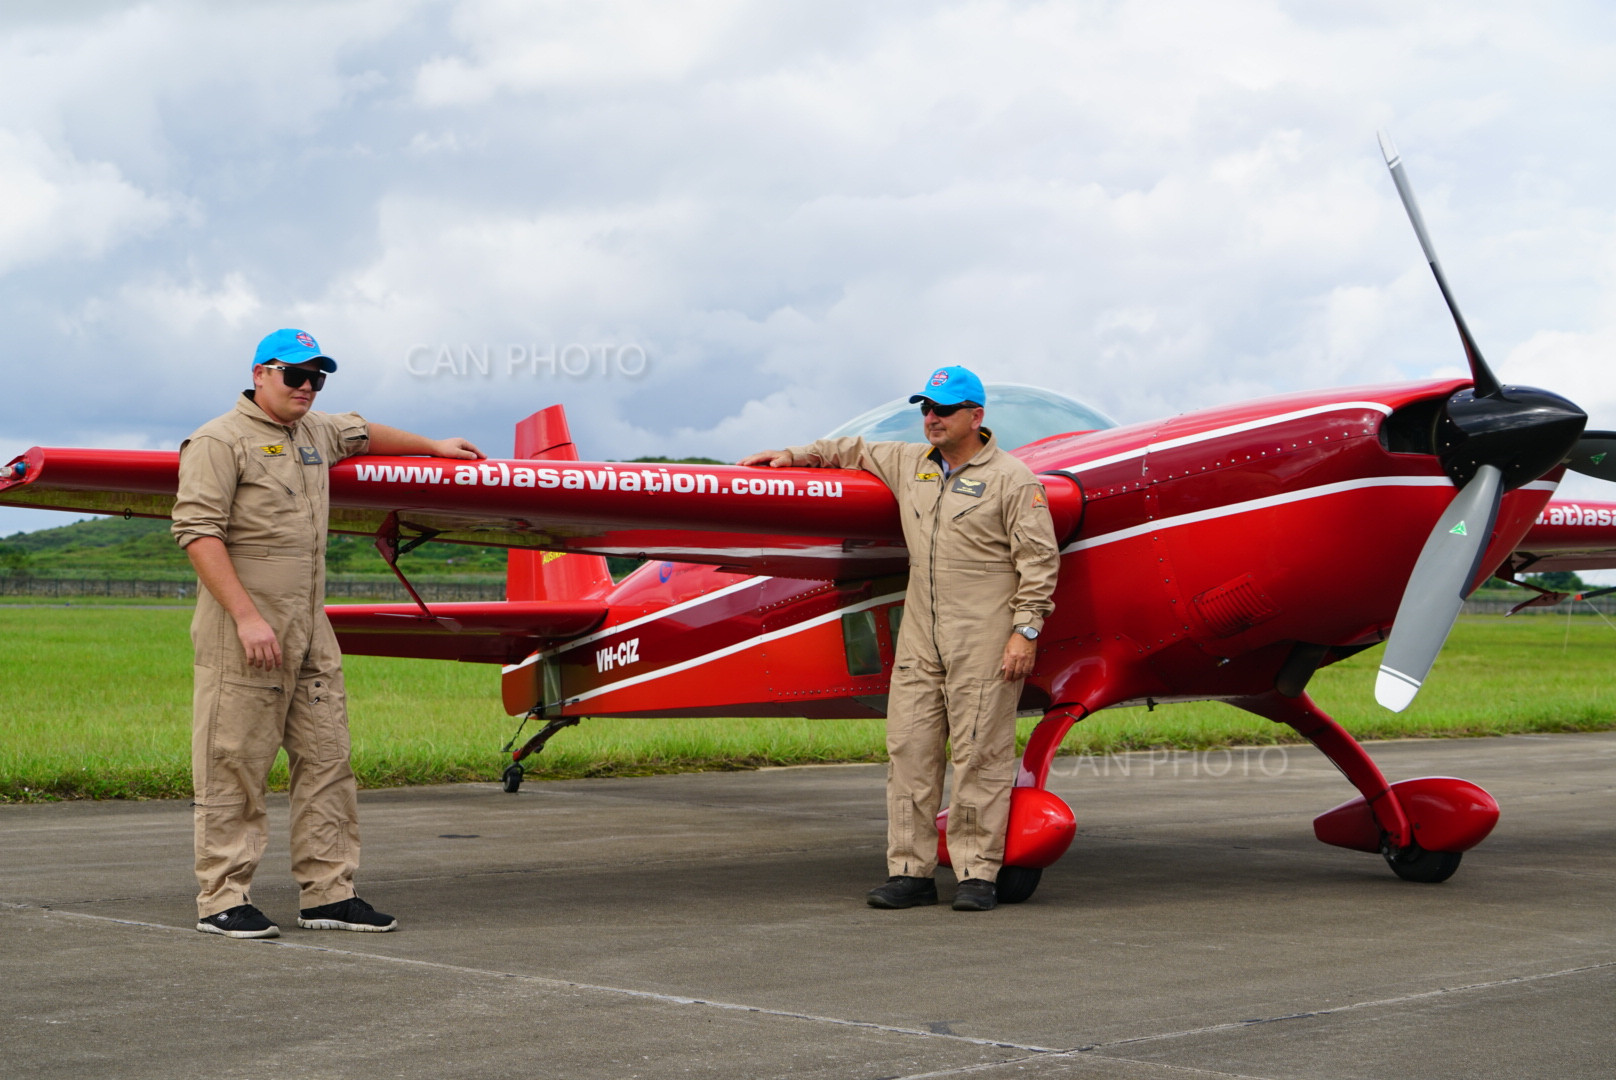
(1028, 632)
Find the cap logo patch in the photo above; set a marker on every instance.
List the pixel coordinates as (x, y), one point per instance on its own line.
(305, 340)
(939, 377)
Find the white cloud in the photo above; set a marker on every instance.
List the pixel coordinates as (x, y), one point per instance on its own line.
(798, 209)
(57, 206)
(180, 308)
(527, 45)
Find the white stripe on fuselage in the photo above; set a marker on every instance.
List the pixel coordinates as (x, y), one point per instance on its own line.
(739, 646)
(1322, 491)
(684, 605)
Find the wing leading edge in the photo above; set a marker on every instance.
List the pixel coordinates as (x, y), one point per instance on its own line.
(825, 524)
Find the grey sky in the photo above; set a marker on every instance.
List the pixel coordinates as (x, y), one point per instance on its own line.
(790, 211)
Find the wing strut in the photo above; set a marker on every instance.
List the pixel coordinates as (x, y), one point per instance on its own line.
(387, 544)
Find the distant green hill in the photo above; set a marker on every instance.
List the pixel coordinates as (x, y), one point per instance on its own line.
(142, 548)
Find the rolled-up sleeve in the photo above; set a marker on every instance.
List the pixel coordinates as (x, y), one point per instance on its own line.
(352, 435)
(209, 473)
(1034, 551)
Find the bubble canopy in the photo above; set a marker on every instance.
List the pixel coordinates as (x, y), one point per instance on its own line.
(1017, 415)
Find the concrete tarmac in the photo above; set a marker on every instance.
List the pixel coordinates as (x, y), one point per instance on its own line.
(714, 925)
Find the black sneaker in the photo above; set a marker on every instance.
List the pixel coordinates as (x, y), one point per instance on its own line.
(902, 892)
(243, 920)
(350, 914)
(976, 895)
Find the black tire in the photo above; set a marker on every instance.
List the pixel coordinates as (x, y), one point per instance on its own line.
(513, 778)
(1414, 863)
(1016, 883)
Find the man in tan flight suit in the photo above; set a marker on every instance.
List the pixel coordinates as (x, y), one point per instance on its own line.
(252, 514)
(982, 566)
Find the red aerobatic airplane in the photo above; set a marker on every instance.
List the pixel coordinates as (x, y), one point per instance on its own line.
(1225, 554)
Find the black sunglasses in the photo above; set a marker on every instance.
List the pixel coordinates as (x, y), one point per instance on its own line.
(295, 377)
(944, 411)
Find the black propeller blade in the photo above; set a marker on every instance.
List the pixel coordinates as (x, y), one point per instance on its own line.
(1594, 455)
(1480, 373)
(1491, 438)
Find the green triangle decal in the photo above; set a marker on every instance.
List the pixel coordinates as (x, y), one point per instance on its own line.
(1459, 530)
(1598, 459)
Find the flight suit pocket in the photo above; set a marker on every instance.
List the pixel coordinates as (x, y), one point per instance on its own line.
(967, 510)
(277, 473)
(318, 727)
(978, 513)
(248, 717)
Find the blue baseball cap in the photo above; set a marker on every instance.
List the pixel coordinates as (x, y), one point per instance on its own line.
(952, 386)
(292, 347)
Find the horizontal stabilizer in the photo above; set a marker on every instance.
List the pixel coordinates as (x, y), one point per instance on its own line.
(491, 633)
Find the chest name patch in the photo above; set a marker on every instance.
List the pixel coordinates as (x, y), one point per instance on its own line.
(966, 486)
(309, 454)
(278, 450)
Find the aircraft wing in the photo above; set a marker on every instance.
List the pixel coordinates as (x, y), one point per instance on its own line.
(1569, 536)
(133, 483)
(828, 524)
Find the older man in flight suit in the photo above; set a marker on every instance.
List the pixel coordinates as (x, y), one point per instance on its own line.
(252, 514)
(982, 566)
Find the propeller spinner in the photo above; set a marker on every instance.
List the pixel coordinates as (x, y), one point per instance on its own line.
(1491, 438)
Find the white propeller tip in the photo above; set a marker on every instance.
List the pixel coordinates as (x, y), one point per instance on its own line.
(1394, 690)
(1387, 147)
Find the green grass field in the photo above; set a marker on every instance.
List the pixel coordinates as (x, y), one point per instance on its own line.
(96, 704)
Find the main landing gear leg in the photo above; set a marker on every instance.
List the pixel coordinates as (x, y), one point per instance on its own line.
(1422, 827)
(512, 776)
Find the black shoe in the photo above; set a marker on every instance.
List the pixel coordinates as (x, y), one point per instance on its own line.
(243, 920)
(350, 914)
(975, 895)
(902, 892)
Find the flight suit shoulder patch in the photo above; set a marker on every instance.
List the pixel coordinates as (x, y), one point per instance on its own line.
(1039, 500)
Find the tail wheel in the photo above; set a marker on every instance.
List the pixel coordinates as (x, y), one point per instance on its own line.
(1016, 883)
(1414, 863)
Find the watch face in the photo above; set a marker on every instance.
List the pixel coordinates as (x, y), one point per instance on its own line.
(1027, 632)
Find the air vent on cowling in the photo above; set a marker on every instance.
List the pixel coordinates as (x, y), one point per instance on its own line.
(1234, 607)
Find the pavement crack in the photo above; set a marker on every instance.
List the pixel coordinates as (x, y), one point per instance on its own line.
(1403, 999)
(570, 984)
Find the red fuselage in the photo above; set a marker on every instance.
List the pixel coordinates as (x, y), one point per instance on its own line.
(1207, 547)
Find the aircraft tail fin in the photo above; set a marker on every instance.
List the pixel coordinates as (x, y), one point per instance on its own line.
(550, 575)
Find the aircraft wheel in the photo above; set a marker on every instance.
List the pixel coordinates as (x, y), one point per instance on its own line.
(1414, 863)
(513, 778)
(1016, 883)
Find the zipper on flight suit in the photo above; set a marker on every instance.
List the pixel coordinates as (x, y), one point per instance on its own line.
(931, 567)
